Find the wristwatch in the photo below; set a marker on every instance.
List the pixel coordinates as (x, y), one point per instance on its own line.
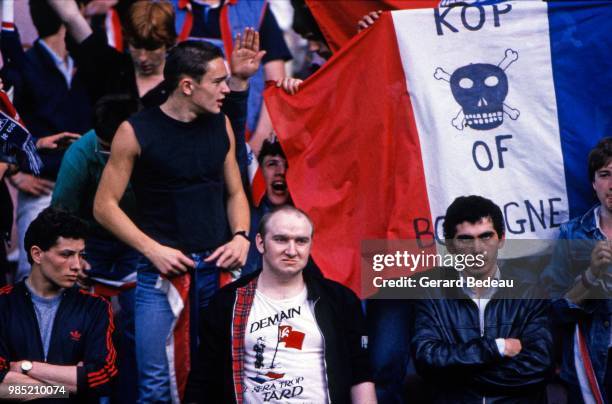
(242, 233)
(26, 366)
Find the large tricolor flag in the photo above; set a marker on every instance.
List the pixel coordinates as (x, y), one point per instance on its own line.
(501, 100)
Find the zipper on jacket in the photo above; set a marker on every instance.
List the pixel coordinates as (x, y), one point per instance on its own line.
(55, 323)
(314, 312)
(30, 304)
(482, 330)
(481, 322)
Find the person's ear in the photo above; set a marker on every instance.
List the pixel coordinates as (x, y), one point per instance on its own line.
(259, 243)
(186, 86)
(36, 252)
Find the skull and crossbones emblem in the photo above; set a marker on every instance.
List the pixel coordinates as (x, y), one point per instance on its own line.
(481, 89)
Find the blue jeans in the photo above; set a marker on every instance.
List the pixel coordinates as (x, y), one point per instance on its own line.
(154, 320)
(113, 260)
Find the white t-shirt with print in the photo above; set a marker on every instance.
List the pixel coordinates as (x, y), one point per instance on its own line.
(284, 352)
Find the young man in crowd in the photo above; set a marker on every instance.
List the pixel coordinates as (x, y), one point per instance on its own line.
(218, 21)
(273, 165)
(149, 33)
(481, 343)
(282, 333)
(579, 279)
(52, 333)
(306, 26)
(112, 262)
(193, 214)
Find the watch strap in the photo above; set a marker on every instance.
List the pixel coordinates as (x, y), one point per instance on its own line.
(242, 233)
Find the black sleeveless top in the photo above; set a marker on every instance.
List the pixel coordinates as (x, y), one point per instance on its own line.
(178, 180)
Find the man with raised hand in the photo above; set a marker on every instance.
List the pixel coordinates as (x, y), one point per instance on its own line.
(193, 214)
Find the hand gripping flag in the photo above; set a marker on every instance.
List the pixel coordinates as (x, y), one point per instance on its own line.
(501, 100)
(17, 146)
(338, 19)
(256, 179)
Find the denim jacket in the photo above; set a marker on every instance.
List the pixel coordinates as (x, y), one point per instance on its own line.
(568, 262)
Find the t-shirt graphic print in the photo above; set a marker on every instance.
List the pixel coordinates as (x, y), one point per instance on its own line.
(284, 352)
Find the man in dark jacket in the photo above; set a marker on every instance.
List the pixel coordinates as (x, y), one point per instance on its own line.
(283, 334)
(52, 333)
(481, 344)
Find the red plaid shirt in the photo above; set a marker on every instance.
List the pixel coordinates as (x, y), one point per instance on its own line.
(242, 308)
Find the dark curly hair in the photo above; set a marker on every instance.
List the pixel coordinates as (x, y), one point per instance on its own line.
(49, 226)
(110, 111)
(472, 209)
(600, 156)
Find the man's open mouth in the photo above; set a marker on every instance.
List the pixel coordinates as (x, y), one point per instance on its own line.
(279, 185)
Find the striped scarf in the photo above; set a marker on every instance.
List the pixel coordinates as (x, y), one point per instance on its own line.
(17, 144)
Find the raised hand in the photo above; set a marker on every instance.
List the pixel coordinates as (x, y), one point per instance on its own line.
(246, 56)
(601, 258)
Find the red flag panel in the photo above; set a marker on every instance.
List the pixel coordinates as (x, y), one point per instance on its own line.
(354, 155)
(338, 18)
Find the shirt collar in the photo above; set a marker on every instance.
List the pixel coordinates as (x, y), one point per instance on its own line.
(36, 297)
(596, 213)
(64, 66)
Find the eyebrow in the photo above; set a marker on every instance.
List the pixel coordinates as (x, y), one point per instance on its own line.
(290, 237)
(71, 252)
(221, 78)
(481, 235)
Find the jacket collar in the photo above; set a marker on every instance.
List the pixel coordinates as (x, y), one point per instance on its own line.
(21, 288)
(588, 221)
(313, 284)
(46, 58)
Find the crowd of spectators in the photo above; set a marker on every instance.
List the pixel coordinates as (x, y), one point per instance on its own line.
(147, 116)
